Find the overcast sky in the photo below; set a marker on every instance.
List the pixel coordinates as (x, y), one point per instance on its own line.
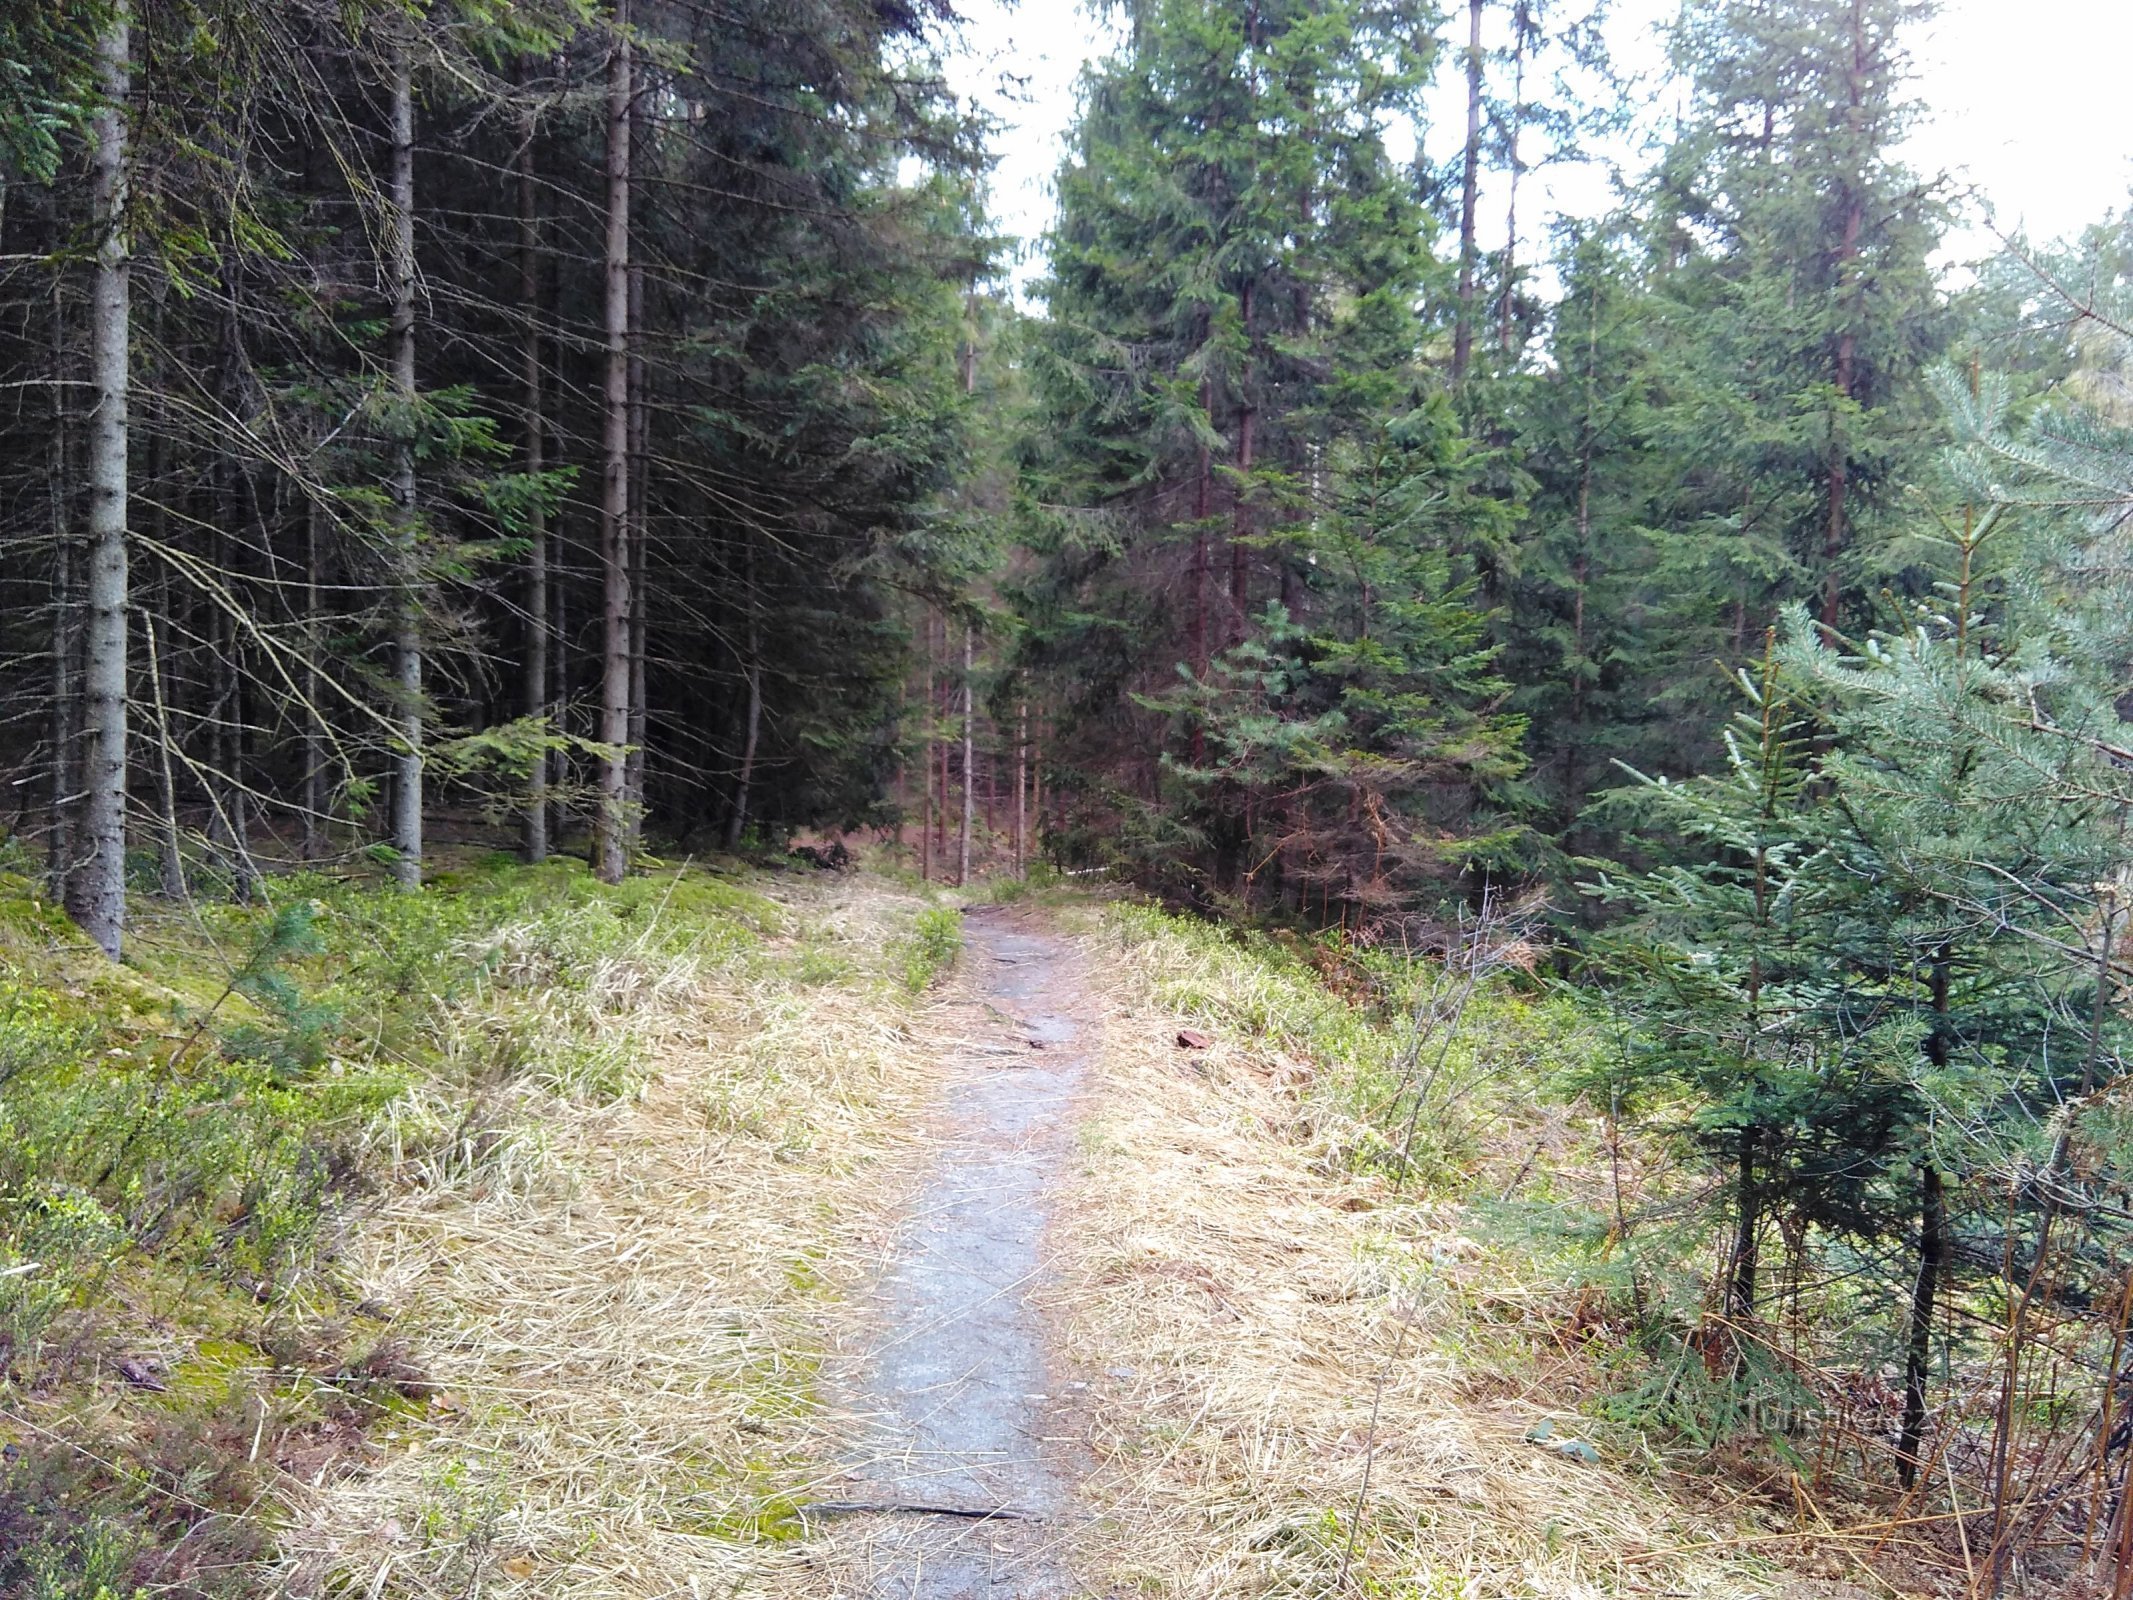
(2028, 104)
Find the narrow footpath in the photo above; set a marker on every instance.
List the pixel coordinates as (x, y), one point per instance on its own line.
(961, 1482)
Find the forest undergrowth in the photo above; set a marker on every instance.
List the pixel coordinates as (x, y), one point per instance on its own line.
(490, 1243)
(319, 1265)
(1382, 1299)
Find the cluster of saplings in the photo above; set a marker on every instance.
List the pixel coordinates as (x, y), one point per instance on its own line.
(601, 414)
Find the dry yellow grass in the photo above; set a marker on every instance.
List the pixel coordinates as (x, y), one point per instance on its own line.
(625, 1307)
(621, 1307)
(1238, 1301)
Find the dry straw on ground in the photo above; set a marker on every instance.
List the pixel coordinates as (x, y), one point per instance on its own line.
(1244, 1309)
(619, 1307)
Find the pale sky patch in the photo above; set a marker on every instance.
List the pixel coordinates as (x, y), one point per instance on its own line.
(2026, 107)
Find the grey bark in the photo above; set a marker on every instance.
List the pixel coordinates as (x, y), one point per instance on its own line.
(752, 670)
(314, 802)
(170, 873)
(640, 423)
(1022, 789)
(962, 859)
(610, 832)
(533, 829)
(66, 680)
(407, 625)
(98, 888)
(1469, 192)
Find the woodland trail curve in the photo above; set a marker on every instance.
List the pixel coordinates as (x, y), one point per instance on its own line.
(960, 1484)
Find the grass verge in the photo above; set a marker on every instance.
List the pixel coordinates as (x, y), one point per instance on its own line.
(328, 1228)
(1313, 1372)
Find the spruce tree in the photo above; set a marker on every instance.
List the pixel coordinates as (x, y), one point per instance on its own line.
(1794, 311)
(1232, 378)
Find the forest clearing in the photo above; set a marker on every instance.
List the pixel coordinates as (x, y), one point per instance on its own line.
(1387, 860)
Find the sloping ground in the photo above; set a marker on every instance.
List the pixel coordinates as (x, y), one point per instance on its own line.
(659, 1342)
(620, 1332)
(958, 1474)
(1276, 1341)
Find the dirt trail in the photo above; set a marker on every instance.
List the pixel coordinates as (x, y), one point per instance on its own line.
(959, 1433)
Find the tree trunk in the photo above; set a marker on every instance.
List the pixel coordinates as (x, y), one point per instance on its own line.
(962, 858)
(533, 826)
(1506, 303)
(1748, 1222)
(1932, 1251)
(170, 858)
(752, 674)
(170, 862)
(639, 518)
(1021, 789)
(611, 825)
(1918, 1353)
(98, 887)
(66, 681)
(407, 634)
(992, 795)
(1843, 375)
(227, 780)
(314, 741)
(1581, 566)
(1200, 510)
(559, 770)
(751, 731)
(1241, 523)
(1469, 195)
(925, 762)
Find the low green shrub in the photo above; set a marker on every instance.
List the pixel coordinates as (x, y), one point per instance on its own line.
(935, 940)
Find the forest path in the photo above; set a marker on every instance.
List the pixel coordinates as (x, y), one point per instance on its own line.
(959, 1484)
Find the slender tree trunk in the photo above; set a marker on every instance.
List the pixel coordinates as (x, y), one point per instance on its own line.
(1748, 1223)
(925, 761)
(533, 826)
(752, 723)
(1200, 511)
(1918, 1352)
(66, 685)
(228, 779)
(1241, 524)
(1021, 788)
(962, 859)
(64, 726)
(611, 830)
(559, 769)
(1469, 196)
(407, 635)
(750, 734)
(1836, 526)
(170, 858)
(170, 863)
(1581, 565)
(1932, 1251)
(639, 516)
(98, 887)
(314, 741)
(236, 786)
(1507, 301)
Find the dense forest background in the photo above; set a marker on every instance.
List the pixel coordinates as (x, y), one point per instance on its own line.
(607, 428)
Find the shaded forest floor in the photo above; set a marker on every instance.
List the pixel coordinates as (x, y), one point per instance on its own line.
(497, 1244)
